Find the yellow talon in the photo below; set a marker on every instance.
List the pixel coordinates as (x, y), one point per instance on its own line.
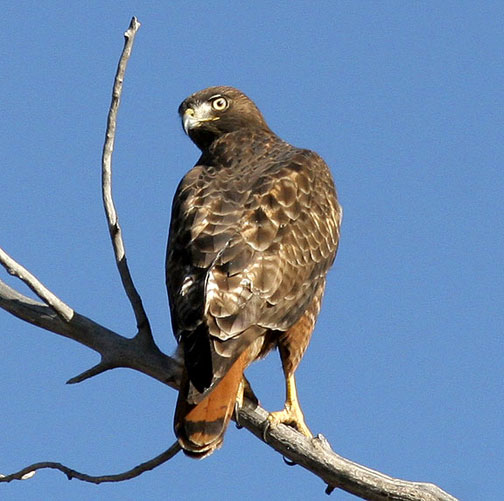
(292, 413)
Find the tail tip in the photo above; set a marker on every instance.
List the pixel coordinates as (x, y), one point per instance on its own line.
(200, 452)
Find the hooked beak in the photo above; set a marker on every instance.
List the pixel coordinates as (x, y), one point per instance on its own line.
(194, 117)
(188, 120)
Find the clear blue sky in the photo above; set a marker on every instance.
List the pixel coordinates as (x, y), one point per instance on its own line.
(404, 100)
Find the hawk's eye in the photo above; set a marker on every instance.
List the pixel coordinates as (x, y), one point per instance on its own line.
(220, 103)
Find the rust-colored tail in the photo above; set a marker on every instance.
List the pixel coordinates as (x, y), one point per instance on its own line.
(200, 427)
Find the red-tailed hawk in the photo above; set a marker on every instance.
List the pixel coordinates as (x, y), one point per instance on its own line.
(255, 227)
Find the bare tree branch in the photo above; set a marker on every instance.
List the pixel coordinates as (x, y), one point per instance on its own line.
(14, 268)
(115, 350)
(29, 471)
(143, 324)
(141, 353)
(317, 456)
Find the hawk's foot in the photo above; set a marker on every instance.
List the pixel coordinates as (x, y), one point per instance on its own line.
(291, 415)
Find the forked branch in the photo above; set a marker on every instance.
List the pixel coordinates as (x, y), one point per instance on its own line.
(141, 353)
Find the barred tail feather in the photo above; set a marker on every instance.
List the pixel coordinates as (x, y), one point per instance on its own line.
(200, 428)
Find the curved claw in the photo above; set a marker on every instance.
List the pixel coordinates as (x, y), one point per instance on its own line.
(288, 462)
(291, 416)
(239, 426)
(267, 426)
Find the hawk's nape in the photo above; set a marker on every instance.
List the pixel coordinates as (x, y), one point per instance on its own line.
(254, 230)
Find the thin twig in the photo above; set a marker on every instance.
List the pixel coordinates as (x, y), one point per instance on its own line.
(142, 321)
(14, 268)
(29, 471)
(97, 369)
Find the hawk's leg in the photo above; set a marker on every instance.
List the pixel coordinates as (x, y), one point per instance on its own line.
(292, 413)
(292, 345)
(244, 391)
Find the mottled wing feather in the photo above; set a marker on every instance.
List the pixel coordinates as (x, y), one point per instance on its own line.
(252, 238)
(286, 241)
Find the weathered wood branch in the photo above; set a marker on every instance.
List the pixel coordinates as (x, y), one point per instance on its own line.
(115, 350)
(142, 354)
(57, 305)
(336, 471)
(143, 325)
(29, 471)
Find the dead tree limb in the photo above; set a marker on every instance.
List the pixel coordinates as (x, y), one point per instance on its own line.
(29, 471)
(143, 325)
(115, 350)
(336, 471)
(142, 354)
(56, 304)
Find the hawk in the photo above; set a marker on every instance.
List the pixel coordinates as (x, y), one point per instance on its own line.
(254, 229)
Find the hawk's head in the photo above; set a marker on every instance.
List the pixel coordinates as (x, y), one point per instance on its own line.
(210, 113)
